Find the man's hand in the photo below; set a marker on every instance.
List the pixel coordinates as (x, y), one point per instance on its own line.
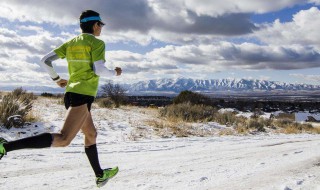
(118, 71)
(62, 83)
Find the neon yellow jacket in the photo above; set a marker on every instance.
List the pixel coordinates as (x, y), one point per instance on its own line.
(81, 52)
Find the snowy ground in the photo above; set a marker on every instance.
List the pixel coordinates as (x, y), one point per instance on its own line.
(265, 161)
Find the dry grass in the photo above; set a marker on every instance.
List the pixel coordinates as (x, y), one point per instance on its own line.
(105, 103)
(285, 116)
(226, 118)
(186, 112)
(138, 133)
(228, 132)
(316, 130)
(242, 130)
(32, 117)
(19, 103)
(295, 128)
(167, 129)
(257, 124)
(290, 130)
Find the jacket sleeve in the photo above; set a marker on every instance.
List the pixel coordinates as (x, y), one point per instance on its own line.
(100, 69)
(46, 63)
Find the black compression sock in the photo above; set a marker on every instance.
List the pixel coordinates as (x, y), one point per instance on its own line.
(92, 155)
(40, 141)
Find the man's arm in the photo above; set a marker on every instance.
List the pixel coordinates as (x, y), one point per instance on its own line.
(46, 63)
(100, 69)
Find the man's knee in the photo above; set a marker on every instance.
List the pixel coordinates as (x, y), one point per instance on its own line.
(92, 134)
(62, 140)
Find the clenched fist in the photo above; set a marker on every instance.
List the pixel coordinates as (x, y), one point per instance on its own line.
(118, 70)
(62, 83)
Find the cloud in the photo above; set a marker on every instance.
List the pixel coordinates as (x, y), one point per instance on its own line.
(134, 63)
(313, 78)
(226, 25)
(317, 2)
(302, 30)
(34, 43)
(41, 11)
(252, 56)
(148, 19)
(126, 37)
(217, 7)
(200, 36)
(175, 17)
(127, 12)
(140, 16)
(217, 57)
(143, 20)
(20, 55)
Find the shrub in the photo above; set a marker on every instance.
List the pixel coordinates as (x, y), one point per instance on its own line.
(256, 113)
(240, 129)
(188, 112)
(46, 94)
(105, 103)
(227, 132)
(192, 97)
(167, 129)
(291, 127)
(283, 123)
(285, 116)
(225, 118)
(14, 108)
(257, 124)
(115, 92)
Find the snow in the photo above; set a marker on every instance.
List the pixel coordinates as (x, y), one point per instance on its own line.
(148, 162)
(224, 110)
(245, 114)
(303, 116)
(180, 84)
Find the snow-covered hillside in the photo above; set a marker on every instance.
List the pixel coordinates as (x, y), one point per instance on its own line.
(180, 84)
(177, 85)
(263, 161)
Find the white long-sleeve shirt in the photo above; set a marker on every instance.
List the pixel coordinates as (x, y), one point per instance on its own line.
(46, 63)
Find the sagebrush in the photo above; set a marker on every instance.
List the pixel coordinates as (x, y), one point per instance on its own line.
(115, 92)
(105, 102)
(17, 103)
(192, 98)
(187, 112)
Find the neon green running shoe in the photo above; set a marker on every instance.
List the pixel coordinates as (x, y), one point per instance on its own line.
(107, 174)
(2, 149)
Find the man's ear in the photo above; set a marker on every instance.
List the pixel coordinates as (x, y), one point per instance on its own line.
(95, 26)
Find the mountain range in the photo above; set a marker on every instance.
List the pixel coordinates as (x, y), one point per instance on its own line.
(175, 86)
(216, 85)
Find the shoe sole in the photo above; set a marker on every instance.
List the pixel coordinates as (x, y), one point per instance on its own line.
(2, 141)
(106, 181)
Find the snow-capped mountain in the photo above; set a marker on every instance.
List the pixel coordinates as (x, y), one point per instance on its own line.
(175, 86)
(213, 85)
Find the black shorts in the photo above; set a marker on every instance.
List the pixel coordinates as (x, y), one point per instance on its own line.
(74, 100)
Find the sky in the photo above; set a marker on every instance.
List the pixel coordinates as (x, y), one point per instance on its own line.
(151, 39)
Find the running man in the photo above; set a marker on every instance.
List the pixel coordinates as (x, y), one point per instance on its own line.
(85, 55)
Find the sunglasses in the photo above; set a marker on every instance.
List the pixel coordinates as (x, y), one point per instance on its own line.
(100, 24)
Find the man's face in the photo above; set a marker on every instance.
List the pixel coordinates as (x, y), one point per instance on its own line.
(97, 27)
